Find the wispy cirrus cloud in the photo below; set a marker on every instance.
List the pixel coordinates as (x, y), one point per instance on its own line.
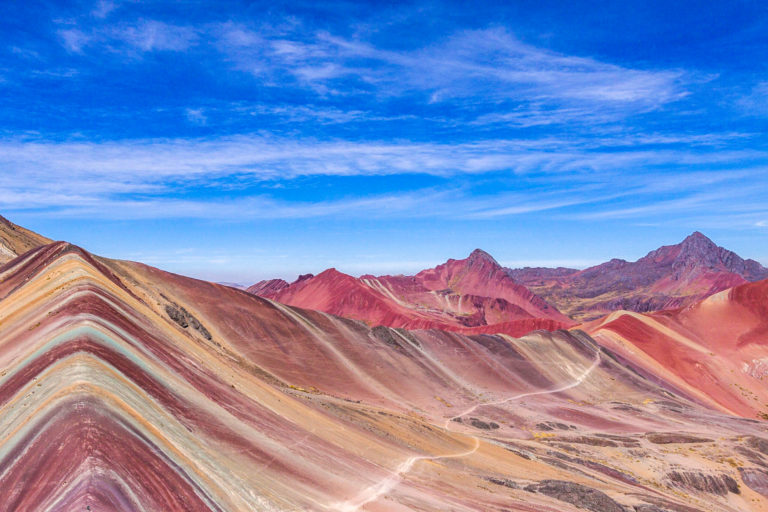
(103, 8)
(755, 102)
(130, 38)
(491, 64)
(430, 203)
(179, 178)
(490, 77)
(679, 205)
(266, 158)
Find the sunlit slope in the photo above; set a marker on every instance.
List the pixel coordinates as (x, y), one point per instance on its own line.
(15, 240)
(715, 350)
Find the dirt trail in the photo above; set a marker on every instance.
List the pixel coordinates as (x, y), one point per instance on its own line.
(380, 489)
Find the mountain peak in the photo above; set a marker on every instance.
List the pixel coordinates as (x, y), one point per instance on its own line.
(328, 274)
(697, 251)
(697, 237)
(479, 255)
(700, 249)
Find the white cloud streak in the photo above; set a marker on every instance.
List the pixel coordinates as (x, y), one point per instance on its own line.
(103, 8)
(755, 103)
(491, 64)
(129, 162)
(530, 86)
(166, 178)
(131, 39)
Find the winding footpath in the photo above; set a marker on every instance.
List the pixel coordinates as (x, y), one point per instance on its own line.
(380, 489)
(374, 492)
(573, 384)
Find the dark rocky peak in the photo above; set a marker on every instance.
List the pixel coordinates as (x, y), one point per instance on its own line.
(697, 243)
(479, 256)
(304, 277)
(698, 249)
(697, 237)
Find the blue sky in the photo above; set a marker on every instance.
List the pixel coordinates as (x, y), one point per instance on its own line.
(242, 140)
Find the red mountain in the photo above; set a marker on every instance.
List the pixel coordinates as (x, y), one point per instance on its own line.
(475, 294)
(715, 351)
(268, 287)
(669, 277)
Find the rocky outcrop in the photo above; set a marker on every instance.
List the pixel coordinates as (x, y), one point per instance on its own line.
(483, 425)
(719, 484)
(185, 319)
(576, 494)
(596, 466)
(504, 482)
(758, 443)
(755, 479)
(552, 425)
(604, 440)
(648, 508)
(674, 438)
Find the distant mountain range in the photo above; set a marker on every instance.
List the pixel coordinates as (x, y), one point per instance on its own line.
(666, 278)
(477, 294)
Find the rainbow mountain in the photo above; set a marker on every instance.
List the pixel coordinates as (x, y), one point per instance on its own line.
(127, 388)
